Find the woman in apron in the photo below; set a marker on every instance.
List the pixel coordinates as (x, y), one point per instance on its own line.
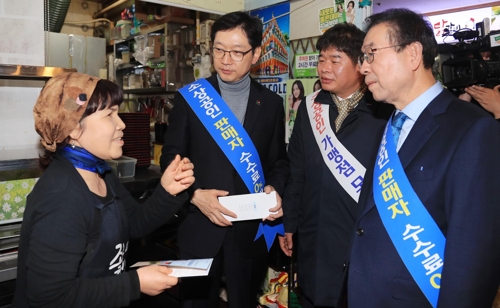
(79, 217)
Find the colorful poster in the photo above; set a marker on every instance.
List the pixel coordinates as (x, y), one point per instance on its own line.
(315, 17)
(445, 25)
(305, 65)
(272, 68)
(495, 18)
(329, 17)
(297, 89)
(357, 12)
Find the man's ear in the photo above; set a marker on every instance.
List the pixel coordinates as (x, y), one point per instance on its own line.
(77, 132)
(415, 50)
(256, 54)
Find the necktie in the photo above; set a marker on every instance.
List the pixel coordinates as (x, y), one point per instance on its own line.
(397, 123)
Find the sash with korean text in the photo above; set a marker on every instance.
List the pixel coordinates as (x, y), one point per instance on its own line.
(233, 140)
(346, 169)
(416, 236)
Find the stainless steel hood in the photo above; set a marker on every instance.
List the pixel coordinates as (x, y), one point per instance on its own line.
(8, 71)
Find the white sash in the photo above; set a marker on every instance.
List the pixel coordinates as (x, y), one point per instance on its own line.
(348, 171)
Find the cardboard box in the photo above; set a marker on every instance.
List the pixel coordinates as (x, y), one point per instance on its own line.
(155, 14)
(156, 43)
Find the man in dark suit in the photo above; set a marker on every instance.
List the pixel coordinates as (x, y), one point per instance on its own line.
(317, 207)
(205, 233)
(449, 151)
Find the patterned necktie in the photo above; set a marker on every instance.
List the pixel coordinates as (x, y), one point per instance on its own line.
(397, 123)
(347, 105)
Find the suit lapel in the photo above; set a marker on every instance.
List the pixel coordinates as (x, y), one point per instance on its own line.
(425, 126)
(423, 129)
(254, 106)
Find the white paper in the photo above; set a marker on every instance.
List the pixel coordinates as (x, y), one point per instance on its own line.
(249, 206)
(183, 268)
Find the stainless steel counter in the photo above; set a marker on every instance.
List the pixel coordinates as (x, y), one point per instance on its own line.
(28, 72)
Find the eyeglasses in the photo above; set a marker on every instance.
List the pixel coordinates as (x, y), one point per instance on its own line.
(369, 54)
(234, 54)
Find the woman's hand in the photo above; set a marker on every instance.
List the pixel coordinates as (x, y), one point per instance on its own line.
(154, 279)
(178, 176)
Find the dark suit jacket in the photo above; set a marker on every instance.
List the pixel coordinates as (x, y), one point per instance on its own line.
(186, 135)
(316, 206)
(452, 160)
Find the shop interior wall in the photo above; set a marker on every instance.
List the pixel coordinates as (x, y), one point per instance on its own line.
(21, 22)
(81, 10)
(428, 6)
(22, 42)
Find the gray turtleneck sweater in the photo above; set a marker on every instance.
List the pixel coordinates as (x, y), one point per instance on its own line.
(235, 95)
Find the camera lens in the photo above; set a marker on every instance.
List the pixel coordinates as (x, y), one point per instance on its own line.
(464, 72)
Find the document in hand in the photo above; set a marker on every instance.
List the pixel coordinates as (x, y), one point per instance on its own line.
(250, 206)
(183, 268)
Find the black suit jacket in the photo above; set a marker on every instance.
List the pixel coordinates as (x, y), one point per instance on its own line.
(452, 160)
(315, 204)
(186, 135)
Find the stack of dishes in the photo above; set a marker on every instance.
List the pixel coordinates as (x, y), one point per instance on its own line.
(137, 138)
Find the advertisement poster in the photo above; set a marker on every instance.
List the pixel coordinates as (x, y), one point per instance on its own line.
(305, 65)
(272, 68)
(320, 15)
(329, 17)
(297, 89)
(445, 25)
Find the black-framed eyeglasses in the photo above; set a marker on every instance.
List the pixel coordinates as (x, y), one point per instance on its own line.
(369, 53)
(234, 54)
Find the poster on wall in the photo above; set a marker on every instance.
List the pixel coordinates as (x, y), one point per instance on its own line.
(320, 15)
(297, 89)
(272, 68)
(306, 65)
(445, 25)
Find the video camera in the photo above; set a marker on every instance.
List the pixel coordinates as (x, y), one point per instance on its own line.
(466, 66)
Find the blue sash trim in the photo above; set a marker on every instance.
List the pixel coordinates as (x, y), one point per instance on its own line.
(232, 139)
(414, 233)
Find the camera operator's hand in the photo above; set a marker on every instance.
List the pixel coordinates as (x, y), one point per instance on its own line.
(488, 98)
(465, 97)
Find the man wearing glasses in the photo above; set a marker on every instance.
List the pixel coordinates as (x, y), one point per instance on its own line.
(329, 151)
(205, 232)
(429, 233)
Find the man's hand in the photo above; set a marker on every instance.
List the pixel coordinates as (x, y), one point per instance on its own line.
(206, 200)
(178, 176)
(286, 243)
(488, 98)
(277, 210)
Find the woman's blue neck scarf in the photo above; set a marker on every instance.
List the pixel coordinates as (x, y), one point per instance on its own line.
(83, 159)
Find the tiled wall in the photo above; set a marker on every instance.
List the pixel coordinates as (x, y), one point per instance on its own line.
(22, 42)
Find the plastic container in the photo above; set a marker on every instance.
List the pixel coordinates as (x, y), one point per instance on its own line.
(125, 27)
(126, 56)
(123, 167)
